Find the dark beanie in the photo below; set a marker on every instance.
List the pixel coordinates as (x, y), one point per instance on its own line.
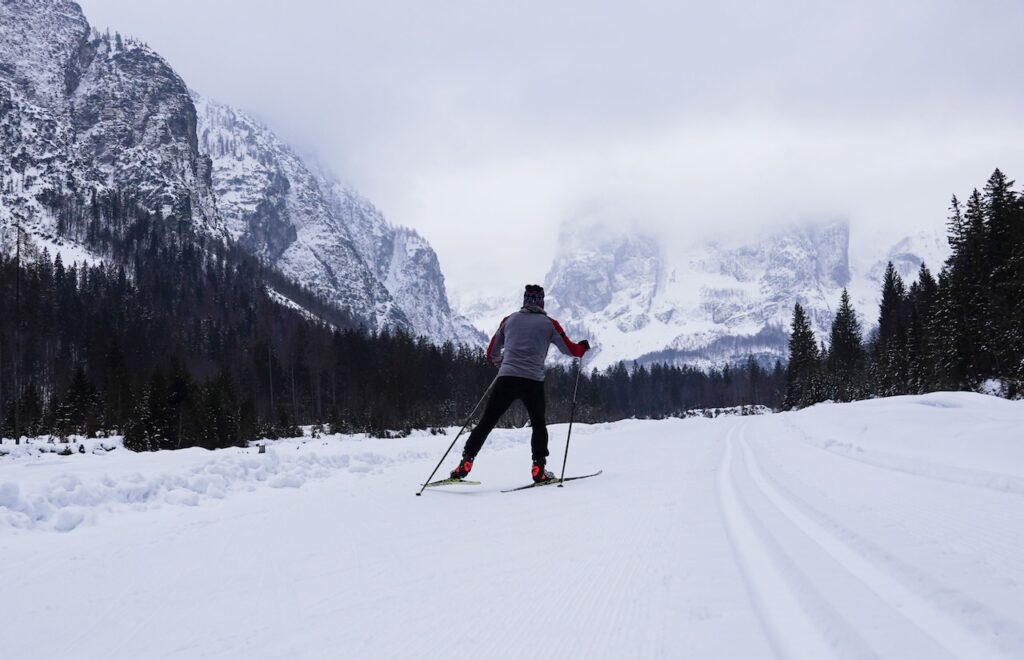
(534, 296)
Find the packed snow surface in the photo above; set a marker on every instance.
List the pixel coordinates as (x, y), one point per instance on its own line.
(883, 529)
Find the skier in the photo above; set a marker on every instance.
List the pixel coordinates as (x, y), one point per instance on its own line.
(519, 349)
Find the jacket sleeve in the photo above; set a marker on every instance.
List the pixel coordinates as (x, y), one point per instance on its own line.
(497, 343)
(562, 341)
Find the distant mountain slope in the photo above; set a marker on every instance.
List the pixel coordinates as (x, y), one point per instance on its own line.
(275, 208)
(322, 234)
(713, 303)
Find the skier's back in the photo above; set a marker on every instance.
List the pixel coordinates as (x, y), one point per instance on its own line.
(520, 347)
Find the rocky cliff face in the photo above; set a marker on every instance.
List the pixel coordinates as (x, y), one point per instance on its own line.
(82, 112)
(606, 273)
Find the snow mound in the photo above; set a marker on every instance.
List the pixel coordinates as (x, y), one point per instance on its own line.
(67, 500)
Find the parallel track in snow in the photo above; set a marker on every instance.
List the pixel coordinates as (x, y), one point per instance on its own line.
(907, 618)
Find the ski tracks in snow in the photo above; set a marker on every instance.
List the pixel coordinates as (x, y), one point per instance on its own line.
(777, 592)
(822, 591)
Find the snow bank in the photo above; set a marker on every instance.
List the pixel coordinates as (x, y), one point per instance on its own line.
(42, 445)
(68, 500)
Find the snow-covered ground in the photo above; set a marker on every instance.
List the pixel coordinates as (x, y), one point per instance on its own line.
(883, 529)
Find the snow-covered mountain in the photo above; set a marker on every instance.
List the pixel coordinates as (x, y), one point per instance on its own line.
(322, 234)
(712, 303)
(84, 114)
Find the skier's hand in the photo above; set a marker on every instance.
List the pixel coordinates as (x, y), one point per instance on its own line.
(586, 345)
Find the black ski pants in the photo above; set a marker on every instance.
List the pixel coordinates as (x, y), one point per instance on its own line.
(506, 391)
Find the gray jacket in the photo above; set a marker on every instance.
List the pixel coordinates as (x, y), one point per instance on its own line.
(521, 343)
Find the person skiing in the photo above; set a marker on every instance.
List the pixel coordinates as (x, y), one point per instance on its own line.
(519, 349)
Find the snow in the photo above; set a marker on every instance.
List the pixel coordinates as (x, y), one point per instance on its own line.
(285, 301)
(888, 528)
(993, 387)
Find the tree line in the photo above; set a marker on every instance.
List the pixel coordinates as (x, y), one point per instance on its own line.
(174, 341)
(951, 333)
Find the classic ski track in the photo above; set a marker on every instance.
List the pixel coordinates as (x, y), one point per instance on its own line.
(944, 627)
(790, 631)
(962, 536)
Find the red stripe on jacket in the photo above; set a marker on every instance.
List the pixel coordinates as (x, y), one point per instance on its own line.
(490, 346)
(574, 348)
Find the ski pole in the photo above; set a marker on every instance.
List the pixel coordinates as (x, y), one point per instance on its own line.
(572, 416)
(468, 420)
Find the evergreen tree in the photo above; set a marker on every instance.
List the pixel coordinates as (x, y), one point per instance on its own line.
(975, 292)
(117, 394)
(1002, 235)
(890, 315)
(921, 358)
(961, 330)
(1015, 337)
(845, 359)
(890, 360)
(802, 386)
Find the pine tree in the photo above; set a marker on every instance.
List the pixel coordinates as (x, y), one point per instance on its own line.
(1002, 219)
(1015, 337)
(136, 435)
(116, 388)
(976, 294)
(802, 388)
(890, 364)
(921, 357)
(890, 316)
(846, 354)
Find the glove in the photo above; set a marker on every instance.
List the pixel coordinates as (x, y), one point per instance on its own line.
(586, 345)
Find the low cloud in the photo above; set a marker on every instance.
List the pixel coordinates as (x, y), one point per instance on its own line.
(485, 125)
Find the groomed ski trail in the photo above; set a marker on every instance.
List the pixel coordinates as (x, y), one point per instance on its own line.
(786, 620)
(714, 539)
(901, 605)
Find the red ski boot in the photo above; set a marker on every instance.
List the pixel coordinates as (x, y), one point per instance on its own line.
(540, 475)
(462, 471)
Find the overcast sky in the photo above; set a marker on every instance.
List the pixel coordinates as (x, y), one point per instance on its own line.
(485, 125)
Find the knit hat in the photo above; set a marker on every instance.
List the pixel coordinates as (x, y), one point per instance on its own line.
(534, 296)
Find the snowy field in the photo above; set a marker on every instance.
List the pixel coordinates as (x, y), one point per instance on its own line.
(883, 529)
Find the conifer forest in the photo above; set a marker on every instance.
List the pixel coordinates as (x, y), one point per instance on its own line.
(954, 331)
(174, 341)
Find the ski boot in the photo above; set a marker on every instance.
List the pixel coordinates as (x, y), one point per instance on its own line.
(540, 475)
(462, 471)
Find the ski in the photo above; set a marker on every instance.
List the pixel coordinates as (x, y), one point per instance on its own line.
(452, 482)
(553, 481)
